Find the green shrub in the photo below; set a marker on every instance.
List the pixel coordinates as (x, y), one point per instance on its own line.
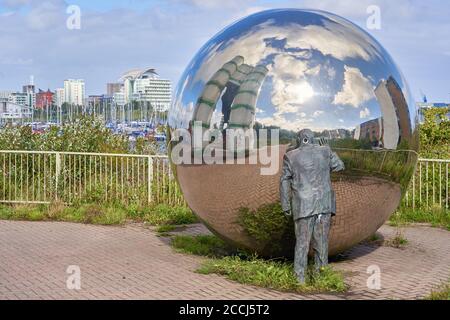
(91, 212)
(274, 275)
(136, 211)
(269, 227)
(84, 134)
(435, 134)
(163, 214)
(6, 212)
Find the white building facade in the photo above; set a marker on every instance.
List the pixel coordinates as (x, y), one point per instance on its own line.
(12, 111)
(74, 91)
(146, 85)
(21, 99)
(59, 97)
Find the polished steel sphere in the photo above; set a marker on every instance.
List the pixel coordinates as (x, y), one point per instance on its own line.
(272, 74)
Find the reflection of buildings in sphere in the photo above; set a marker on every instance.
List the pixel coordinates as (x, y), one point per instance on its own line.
(394, 126)
(371, 131)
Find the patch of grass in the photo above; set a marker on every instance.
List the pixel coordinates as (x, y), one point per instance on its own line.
(249, 269)
(71, 214)
(23, 212)
(435, 216)
(111, 216)
(443, 293)
(399, 241)
(375, 239)
(274, 275)
(202, 245)
(94, 213)
(167, 215)
(165, 228)
(6, 212)
(29, 212)
(87, 213)
(136, 212)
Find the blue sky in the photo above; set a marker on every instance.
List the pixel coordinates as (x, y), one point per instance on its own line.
(117, 35)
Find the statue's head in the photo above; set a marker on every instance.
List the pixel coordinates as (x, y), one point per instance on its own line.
(305, 137)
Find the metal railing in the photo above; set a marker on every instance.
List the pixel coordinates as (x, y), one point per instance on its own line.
(46, 176)
(430, 185)
(70, 177)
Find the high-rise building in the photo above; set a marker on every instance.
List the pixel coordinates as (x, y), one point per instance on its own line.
(119, 98)
(29, 90)
(19, 98)
(95, 100)
(11, 111)
(74, 91)
(4, 95)
(59, 97)
(112, 88)
(146, 85)
(44, 99)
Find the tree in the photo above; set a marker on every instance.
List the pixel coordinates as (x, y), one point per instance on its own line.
(435, 133)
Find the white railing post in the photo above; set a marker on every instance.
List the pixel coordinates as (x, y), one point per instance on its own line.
(57, 172)
(149, 178)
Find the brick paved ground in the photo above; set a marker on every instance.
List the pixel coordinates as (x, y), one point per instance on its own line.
(131, 262)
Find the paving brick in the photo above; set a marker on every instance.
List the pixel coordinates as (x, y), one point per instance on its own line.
(131, 262)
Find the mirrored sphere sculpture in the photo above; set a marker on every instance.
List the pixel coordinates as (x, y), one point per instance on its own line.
(263, 79)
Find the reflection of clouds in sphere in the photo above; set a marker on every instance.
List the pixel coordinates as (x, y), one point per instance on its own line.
(316, 61)
(293, 69)
(356, 89)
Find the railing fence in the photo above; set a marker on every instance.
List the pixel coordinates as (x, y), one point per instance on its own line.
(45, 176)
(430, 185)
(70, 177)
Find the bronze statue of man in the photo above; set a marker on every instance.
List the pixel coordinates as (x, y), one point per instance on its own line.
(305, 181)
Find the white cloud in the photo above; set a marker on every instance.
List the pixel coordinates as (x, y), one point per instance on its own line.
(357, 9)
(331, 72)
(363, 114)
(293, 124)
(213, 4)
(356, 89)
(16, 61)
(332, 39)
(45, 16)
(15, 3)
(318, 113)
